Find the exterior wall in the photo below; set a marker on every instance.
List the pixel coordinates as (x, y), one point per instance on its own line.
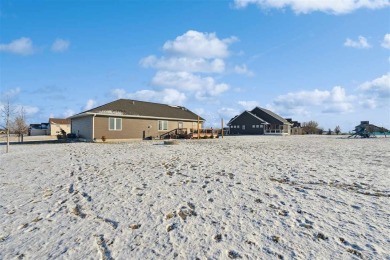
(248, 121)
(55, 129)
(278, 129)
(35, 132)
(133, 128)
(82, 127)
(296, 131)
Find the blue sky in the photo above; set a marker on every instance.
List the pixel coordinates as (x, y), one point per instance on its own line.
(327, 61)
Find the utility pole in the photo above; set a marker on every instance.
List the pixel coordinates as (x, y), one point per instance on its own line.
(198, 127)
(222, 126)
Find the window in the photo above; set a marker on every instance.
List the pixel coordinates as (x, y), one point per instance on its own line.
(261, 126)
(162, 125)
(237, 126)
(115, 124)
(257, 126)
(253, 126)
(243, 127)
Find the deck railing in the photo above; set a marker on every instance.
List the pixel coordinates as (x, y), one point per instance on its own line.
(205, 132)
(275, 131)
(175, 133)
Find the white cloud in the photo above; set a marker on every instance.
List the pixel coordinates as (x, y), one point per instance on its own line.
(376, 93)
(228, 113)
(369, 103)
(90, 104)
(10, 93)
(202, 87)
(29, 110)
(361, 43)
(119, 93)
(68, 113)
(18, 108)
(187, 64)
(379, 86)
(22, 46)
(307, 6)
(248, 105)
(243, 70)
(166, 96)
(60, 45)
(199, 45)
(386, 41)
(315, 97)
(333, 101)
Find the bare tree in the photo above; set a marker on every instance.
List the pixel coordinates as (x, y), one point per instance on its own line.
(337, 130)
(19, 125)
(370, 129)
(310, 127)
(6, 115)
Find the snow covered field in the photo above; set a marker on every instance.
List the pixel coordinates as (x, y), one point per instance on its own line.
(295, 197)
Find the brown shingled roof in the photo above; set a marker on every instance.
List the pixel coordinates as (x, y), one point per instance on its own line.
(59, 121)
(136, 108)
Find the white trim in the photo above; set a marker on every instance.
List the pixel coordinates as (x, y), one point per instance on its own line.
(158, 125)
(250, 113)
(93, 127)
(115, 126)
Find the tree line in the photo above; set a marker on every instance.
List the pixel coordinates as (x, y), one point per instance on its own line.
(312, 127)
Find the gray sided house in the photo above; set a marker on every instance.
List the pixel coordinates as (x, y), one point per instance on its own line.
(131, 119)
(247, 124)
(259, 121)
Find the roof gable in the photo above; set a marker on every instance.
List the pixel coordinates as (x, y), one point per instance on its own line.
(247, 113)
(135, 108)
(270, 114)
(59, 121)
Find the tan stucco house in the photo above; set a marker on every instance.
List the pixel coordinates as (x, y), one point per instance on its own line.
(131, 119)
(52, 128)
(58, 124)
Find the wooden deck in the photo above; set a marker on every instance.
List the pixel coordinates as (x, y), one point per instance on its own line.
(184, 133)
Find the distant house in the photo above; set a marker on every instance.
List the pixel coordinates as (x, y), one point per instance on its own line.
(247, 124)
(366, 129)
(56, 125)
(38, 129)
(259, 121)
(296, 128)
(131, 119)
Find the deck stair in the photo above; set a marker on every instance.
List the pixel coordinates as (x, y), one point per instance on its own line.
(178, 133)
